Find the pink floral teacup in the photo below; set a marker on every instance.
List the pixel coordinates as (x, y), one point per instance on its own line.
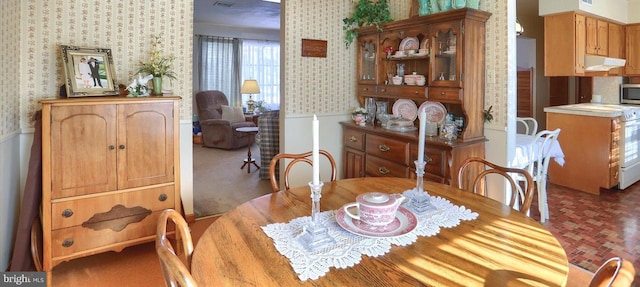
(375, 208)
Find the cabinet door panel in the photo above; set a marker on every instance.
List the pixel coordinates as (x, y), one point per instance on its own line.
(145, 144)
(354, 161)
(83, 154)
(632, 68)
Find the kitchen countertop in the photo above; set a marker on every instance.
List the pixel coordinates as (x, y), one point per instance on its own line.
(591, 109)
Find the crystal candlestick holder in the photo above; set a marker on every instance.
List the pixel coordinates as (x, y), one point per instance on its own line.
(420, 201)
(314, 235)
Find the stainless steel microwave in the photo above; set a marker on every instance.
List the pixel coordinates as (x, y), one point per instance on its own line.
(630, 94)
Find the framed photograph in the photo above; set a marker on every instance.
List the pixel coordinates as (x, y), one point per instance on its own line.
(88, 72)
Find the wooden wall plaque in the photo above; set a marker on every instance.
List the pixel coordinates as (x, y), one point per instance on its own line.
(314, 48)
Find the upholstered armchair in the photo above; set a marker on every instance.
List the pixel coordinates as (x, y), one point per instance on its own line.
(219, 122)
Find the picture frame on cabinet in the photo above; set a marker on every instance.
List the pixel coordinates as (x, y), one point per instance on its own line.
(88, 71)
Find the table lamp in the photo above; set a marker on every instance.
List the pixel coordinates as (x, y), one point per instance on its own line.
(250, 87)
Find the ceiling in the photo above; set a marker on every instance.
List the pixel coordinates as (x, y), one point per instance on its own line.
(238, 13)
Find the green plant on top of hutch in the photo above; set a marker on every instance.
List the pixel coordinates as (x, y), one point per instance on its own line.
(366, 13)
(453, 65)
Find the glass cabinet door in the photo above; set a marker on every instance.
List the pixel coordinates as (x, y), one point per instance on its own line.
(367, 59)
(445, 55)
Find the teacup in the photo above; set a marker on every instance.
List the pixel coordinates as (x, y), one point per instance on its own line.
(399, 53)
(409, 80)
(397, 80)
(411, 52)
(423, 51)
(375, 208)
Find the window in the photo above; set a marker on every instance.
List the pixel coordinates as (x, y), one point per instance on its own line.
(226, 62)
(261, 61)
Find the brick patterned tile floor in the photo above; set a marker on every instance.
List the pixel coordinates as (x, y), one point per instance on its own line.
(593, 228)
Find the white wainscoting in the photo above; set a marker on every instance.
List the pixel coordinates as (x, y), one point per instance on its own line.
(298, 139)
(10, 167)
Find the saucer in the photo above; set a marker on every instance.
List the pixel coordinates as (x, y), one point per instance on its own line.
(404, 223)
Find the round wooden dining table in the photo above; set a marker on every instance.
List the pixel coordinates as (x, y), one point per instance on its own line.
(500, 248)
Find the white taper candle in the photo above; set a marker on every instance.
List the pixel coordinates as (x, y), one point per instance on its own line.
(315, 151)
(423, 126)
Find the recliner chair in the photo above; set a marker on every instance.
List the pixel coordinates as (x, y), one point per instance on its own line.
(216, 131)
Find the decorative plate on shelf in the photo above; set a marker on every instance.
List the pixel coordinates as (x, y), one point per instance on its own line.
(409, 43)
(406, 109)
(425, 43)
(435, 111)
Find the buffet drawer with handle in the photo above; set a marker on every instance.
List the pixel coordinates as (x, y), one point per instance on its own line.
(389, 149)
(376, 166)
(76, 212)
(354, 139)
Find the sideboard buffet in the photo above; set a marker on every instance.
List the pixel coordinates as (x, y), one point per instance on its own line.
(454, 68)
(110, 166)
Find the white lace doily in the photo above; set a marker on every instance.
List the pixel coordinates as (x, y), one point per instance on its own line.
(349, 248)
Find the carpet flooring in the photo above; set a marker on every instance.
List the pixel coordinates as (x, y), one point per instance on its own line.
(218, 182)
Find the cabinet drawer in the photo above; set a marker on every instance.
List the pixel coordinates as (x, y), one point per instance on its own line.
(435, 158)
(76, 212)
(403, 91)
(353, 139)
(376, 166)
(447, 95)
(67, 241)
(367, 90)
(389, 149)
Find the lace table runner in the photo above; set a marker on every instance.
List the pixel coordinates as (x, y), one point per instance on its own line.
(350, 247)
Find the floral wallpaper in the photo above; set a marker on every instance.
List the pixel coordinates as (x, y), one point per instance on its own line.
(9, 78)
(126, 27)
(322, 85)
(327, 85)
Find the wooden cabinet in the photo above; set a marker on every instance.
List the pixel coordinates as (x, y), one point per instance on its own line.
(586, 168)
(616, 45)
(375, 151)
(569, 36)
(454, 73)
(110, 166)
(597, 37)
(368, 59)
(632, 47)
(564, 44)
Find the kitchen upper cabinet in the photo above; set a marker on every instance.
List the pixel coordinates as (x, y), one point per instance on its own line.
(564, 44)
(597, 37)
(569, 36)
(616, 45)
(632, 47)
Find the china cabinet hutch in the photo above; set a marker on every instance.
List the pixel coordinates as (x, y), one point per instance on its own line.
(110, 166)
(454, 67)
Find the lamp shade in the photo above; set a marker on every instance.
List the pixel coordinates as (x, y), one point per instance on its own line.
(250, 87)
(519, 28)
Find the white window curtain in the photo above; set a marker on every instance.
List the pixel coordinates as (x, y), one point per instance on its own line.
(261, 61)
(219, 67)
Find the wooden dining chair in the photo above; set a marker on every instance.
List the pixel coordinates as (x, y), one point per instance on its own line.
(295, 158)
(521, 196)
(540, 167)
(529, 125)
(176, 271)
(615, 272)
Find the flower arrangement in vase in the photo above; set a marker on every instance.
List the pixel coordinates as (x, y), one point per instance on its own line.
(159, 66)
(359, 116)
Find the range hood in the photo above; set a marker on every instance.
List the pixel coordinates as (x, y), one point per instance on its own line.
(599, 63)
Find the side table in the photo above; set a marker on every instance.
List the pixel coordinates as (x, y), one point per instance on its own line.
(251, 131)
